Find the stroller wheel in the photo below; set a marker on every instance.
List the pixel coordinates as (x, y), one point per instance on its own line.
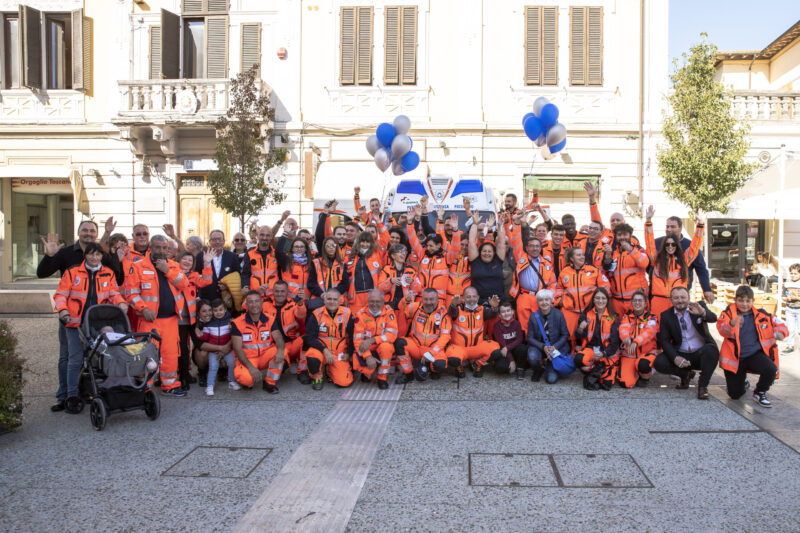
(98, 414)
(152, 405)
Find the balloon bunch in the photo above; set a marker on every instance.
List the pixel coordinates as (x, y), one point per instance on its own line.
(391, 146)
(544, 129)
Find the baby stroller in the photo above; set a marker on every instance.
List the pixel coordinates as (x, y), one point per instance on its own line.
(118, 368)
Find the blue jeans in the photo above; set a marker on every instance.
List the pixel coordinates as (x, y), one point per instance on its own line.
(70, 360)
(213, 366)
(535, 360)
(793, 323)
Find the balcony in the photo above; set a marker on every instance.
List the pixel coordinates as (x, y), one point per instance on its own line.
(187, 101)
(25, 107)
(783, 106)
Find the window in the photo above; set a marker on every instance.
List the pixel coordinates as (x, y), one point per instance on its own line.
(355, 46)
(400, 47)
(9, 34)
(58, 55)
(541, 45)
(251, 46)
(203, 52)
(586, 46)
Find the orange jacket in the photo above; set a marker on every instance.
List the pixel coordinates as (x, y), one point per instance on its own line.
(766, 327)
(596, 260)
(131, 258)
(428, 329)
(547, 253)
(459, 267)
(293, 316)
(469, 326)
(331, 331)
(575, 288)
(297, 278)
(628, 274)
(433, 272)
(643, 330)
(196, 280)
(547, 278)
(141, 285)
(609, 333)
(663, 287)
(390, 271)
(383, 328)
(262, 271)
(73, 290)
(256, 337)
(374, 264)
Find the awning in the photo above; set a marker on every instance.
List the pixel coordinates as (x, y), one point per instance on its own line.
(758, 199)
(558, 183)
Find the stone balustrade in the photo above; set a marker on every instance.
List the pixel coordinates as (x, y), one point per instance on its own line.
(767, 105)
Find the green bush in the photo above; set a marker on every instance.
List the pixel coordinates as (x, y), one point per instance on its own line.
(10, 379)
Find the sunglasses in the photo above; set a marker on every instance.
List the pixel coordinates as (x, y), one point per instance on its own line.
(670, 245)
(238, 240)
(141, 234)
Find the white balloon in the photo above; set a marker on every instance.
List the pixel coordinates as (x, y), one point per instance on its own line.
(541, 140)
(538, 104)
(556, 134)
(400, 146)
(383, 159)
(546, 155)
(401, 124)
(397, 167)
(373, 144)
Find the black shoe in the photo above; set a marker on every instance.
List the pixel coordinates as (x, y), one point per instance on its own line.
(176, 392)
(383, 384)
(201, 380)
(478, 373)
(520, 373)
(60, 406)
(73, 405)
(402, 379)
(185, 385)
(435, 375)
(761, 399)
(537, 374)
(317, 385)
(303, 378)
(642, 383)
(460, 372)
(684, 384)
(191, 379)
(272, 389)
(365, 378)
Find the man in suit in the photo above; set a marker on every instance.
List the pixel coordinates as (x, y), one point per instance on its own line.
(224, 263)
(686, 342)
(698, 266)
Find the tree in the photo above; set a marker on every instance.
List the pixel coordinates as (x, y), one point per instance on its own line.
(242, 185)
(702, 162)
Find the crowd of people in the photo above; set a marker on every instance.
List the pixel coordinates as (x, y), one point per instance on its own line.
(510, 292)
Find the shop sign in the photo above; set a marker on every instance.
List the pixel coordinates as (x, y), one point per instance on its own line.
(42, 185)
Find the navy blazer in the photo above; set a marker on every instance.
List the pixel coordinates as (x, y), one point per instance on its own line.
(669, 332)
(556, 324)
(698, 265)
(230, 263)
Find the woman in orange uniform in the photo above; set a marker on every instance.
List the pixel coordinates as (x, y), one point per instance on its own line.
(575, 285)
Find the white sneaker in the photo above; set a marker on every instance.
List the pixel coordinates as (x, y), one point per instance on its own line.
(210, 390)
(233, 385)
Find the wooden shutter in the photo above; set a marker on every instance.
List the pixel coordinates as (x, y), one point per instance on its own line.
(409, 44)
(170, 45)
(347, 46)
(533, 37)
(81, 51)
(594, 46)
(251, 46)
(217, 47)
(577, 46)
(192, 7)
(30, 27)
(364, 54)
(155, 52)
(549, 60)
(204, 7)
(391, 46)
(219, 7)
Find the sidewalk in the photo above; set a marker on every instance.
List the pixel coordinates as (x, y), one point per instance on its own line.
(491, 454)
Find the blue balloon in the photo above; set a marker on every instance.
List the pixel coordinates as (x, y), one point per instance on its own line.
(410, 161)
(558, 147)
(533, 127)
(548, 116)
(525, 118)
(385, 133)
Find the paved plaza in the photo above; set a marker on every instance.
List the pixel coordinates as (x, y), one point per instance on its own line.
(492, 454)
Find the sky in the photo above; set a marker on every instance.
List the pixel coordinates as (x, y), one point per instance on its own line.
(730, 24)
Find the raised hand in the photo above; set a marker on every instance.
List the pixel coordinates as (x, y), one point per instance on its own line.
(491, 220)
(285, 215)
(169, 231)
(494, 301)
(649, 213)
(590, 189)
(51, 244)
(111, 224)
(467, 205)
(356, 190)
(697, 309)
(440, 212)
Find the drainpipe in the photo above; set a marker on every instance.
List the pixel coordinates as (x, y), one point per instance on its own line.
(640, 149)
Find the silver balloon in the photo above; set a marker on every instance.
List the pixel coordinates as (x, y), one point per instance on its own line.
(540, 141)
(400, 146)
(373, 144)
(397, 167)
(538, 104)
(556, 134)
(546, 154)
(383, 159)
(401, 124)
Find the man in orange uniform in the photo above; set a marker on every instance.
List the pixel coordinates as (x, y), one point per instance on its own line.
(434, 271)
(638, 331)
(257, 341)
(374, 334)
(531, 274)
(290, 320)
(427, 338)
(260, 271)
(555, 251)
(626, 265)
(154, 287)
(575, 287)
(329, 331)
(467, 340)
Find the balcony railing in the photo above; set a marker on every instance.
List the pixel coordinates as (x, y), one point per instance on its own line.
(767, 105)
(190, 100)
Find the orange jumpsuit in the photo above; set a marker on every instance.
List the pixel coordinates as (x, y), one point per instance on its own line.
(467, 340)
(574, 291)
(292, 323)
(259, 348)
(263, 269)
(643, 330)
(332, 333)
(526, 299)
(609, 346)
(660, 288)
(628, 275)
(382, 328)
(428, 332)
(433, 271)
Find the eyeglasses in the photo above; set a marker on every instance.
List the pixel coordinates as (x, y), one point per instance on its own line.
(238, 240)
(330, 245)
(141, 234)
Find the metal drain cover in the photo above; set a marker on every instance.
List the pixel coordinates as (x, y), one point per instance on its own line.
(218, 461)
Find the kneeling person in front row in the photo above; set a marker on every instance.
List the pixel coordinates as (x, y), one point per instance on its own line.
(597, 338)
(749, 345)
(548, 338)
(469, 319)
(513, 353)
(638, 330)
(428, 335)
(258, 344)
(374, 333)
(329, 334)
